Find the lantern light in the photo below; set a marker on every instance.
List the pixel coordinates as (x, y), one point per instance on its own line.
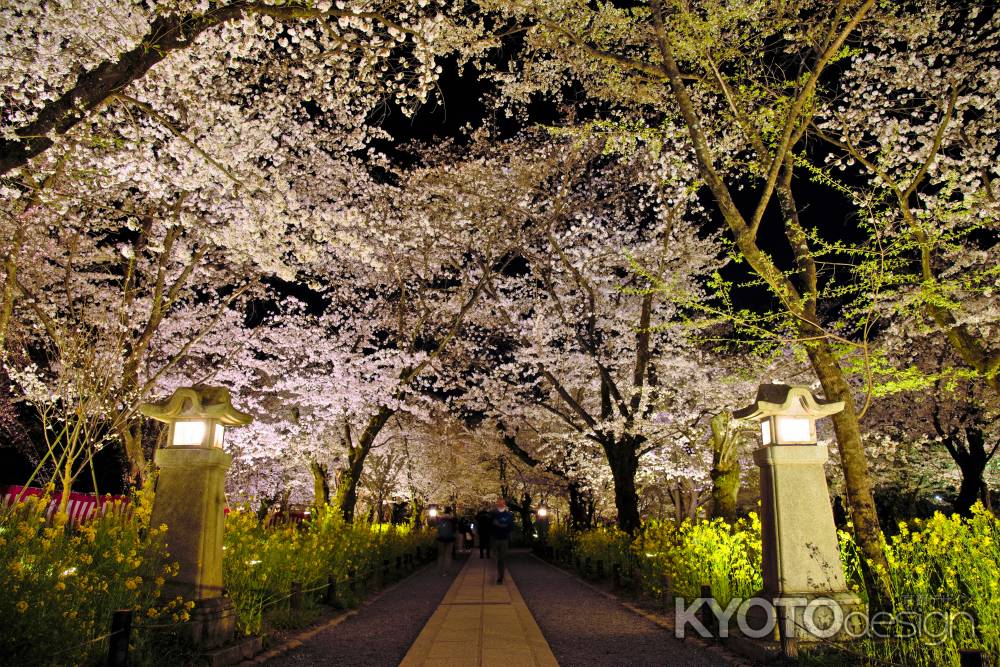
(188, 433)
(432, 512)
(788, 414)
(542, 512)
(197, 416)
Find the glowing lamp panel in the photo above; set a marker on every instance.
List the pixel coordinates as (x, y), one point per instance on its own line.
(189, 434)
(794, 430)
(765, 432)
(220, 434)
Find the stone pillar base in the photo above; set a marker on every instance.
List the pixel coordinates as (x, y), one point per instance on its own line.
(213, 622)
(812, 616)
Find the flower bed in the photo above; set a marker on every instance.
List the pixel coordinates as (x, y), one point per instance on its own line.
(261, 563)
(944, 572)
(62, 582)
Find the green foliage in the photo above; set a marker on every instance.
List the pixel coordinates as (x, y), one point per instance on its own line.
(61, 583)
(561, 538)
(724, 556)
(261, 562)
(945, 569)
(610, 545)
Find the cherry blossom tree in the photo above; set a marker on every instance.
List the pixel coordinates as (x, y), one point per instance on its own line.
(736, 85)
(67, 65)
(915, 118)
(577, 335)
(93, 303)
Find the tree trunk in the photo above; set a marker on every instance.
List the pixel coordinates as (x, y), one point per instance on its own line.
(581, 507)
(527, 525)
(321, 484)
(264, 508)
(986, 497)
(284, 504)
(972, 461)
(725, 489)
(135, 458)
(350, 477)
(861, 501)
(725, 467)
(624, 464)
(67, 485)
(970, 490)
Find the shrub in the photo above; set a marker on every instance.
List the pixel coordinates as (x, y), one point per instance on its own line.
(61, 583)
(260, 563)
(609, 545)
(725, 556)
(946, 569)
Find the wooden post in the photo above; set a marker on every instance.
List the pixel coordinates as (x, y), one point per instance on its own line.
(971, 657)
(399, 566)
(586, 567)
(351, 582)
(121, 629)
(330, 597)
(708, 618)
(616, 575)
(789, 642)
(600, 569)
(296, 598)
(668, 590)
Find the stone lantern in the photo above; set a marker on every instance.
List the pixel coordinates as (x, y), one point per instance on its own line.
(190, 500)
(802, 573)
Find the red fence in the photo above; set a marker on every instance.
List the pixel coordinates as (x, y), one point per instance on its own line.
(81, 506)
(85, 506)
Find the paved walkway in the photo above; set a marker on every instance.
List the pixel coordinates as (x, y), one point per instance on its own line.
(481, 624)
(586, 629)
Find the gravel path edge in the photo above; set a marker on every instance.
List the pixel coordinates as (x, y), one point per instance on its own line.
(301, 637)
(724, 655)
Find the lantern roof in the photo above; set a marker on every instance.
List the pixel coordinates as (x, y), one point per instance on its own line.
(783, 399)
(197, 402)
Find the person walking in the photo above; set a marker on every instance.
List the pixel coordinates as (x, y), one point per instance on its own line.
(446, 529)
(484, 529)
(503, 524)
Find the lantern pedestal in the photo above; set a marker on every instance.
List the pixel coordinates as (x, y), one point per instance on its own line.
(801, 557)
(190, 500)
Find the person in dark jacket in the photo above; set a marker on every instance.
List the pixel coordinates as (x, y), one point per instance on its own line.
(446, 529)
(503, 524)
(484, 530)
